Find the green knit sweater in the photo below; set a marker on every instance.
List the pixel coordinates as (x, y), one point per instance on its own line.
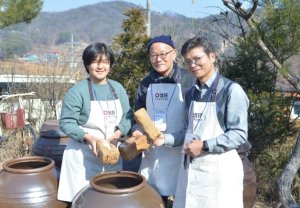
(76, 107)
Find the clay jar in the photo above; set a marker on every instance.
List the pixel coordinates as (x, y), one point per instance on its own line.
(51, 142)
(250, 185)
(29, 182)
(118, 189)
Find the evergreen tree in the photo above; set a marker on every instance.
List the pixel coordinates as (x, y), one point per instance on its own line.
(276, 33)
(16, 11)
(280, 28)
(132, 62)
(269, 111)
(16, 43)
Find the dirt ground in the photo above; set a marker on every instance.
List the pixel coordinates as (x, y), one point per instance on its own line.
(257, 204)
(262, 205)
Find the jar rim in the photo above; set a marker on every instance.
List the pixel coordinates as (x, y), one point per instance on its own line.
(49, 164)
(118, 174)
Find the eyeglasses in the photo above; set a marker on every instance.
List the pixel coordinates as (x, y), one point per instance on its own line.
(196, 60)
(161, 55)
(98, 62)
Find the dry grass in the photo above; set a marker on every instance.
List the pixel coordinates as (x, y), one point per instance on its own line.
(16, 146)
(27, 68)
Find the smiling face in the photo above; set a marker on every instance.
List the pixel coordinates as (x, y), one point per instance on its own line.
(162, 57)
(98, 59)
(99, 69)
(200, 63)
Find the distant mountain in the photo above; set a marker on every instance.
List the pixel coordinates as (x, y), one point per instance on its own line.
(49, 34)
(98, 22)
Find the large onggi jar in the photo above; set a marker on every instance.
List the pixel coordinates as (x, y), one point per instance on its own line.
(51, 142)
(29, 182)
(250, 184)
(122, 189)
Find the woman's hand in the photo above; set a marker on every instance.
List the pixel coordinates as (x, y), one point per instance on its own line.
(193, 148)
(92, 140)
(114, 139)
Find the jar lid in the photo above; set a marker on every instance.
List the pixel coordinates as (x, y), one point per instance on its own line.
(50, 128)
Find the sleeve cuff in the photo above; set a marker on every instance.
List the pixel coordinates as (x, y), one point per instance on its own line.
(169, 139)
(211, 144)
(137, 127)
(122, 129)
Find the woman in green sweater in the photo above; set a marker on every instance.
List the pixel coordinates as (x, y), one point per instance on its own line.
(94, 109)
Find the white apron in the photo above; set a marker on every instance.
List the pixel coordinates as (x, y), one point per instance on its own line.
(79, 164)
(160, 165)
(210, 180)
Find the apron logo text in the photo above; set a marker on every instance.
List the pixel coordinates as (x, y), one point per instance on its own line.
(197, 116)
(161, 96)
(108, 113)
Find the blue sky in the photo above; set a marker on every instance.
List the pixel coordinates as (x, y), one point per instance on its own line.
(189, 8)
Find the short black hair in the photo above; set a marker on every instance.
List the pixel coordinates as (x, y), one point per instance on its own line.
(197, 41)
(95, 50)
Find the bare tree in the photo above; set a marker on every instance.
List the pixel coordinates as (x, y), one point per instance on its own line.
(285, 180)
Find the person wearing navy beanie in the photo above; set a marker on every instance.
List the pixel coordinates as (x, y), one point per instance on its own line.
(166, 39)
(161, 93)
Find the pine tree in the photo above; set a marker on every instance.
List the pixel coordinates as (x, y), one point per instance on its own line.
(132, 62)
(16, 11)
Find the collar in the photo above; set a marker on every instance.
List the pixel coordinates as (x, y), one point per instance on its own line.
(208, 83)
(171, 77)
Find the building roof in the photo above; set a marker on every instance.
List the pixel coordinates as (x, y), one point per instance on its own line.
(18, 78)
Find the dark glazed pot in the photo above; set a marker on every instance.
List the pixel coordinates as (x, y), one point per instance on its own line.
(122, 189)
(51, 142)
(29, 182)
(250, 185)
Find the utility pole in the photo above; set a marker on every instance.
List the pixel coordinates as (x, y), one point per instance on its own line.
(148, 17)
(72, 43)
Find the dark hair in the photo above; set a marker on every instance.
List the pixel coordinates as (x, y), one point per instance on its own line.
(95, 50)
(197, 41)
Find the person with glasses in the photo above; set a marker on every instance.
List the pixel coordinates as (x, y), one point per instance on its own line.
(161, 93)
(211, 173)
(95, 109)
